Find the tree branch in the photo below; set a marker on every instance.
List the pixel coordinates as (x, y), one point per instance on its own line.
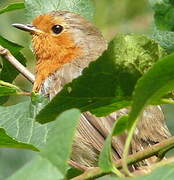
(141, 155)
(22, 69)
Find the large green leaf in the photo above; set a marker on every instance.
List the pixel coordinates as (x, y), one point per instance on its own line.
(153, 85)
(18, 122)
(108, 83)
(12, 7)
(8, 142)
(38, 7)
(8, 73)
(53, 140)
(38, 169)
(157, 82)
(57, 150)
(60, 139)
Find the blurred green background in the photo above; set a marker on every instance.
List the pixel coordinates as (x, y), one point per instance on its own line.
(112, 16)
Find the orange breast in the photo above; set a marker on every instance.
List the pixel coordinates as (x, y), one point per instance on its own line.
(52, 52)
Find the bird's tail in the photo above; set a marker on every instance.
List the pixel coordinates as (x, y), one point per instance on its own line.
(92, 132)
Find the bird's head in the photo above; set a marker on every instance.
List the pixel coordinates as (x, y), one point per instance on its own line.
(60, 37)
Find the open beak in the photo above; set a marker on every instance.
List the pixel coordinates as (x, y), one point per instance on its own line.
(27, 27)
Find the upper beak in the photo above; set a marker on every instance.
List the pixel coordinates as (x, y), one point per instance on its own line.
(27, 27)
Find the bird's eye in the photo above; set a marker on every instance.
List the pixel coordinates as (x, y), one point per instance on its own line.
(57, 29)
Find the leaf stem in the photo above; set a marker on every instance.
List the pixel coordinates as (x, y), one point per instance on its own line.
(117, 172)
(24, 93)
(167, 101)
(18, 90)
(127, 147)
(9, 85)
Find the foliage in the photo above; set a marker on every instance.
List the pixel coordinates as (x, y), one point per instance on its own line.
(105, 159)
(111, 79)
(134, 71)
(38, 7)
(164, 26)
(8, 73)
(12, 7)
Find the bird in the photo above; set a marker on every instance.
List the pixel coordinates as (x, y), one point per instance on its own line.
(65, 43)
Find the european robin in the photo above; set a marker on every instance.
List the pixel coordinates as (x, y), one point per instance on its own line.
(64, 44)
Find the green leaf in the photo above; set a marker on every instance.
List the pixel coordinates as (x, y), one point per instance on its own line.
(12, 7)
(53, 140)
(38, 7)
(19, 122)
(8, 73)
(105, 158)
(108, 83)
(73, 172)
(121, 125)
(157, 82)
(37, 169)
(152, 86)
(164, 14)
(8, 142)
(163, 31)
(164, 38)
(163, 173)
(60, 139)
(7, 91)
(57, 150)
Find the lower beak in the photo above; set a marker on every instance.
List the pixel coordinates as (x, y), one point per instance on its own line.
(27, 27)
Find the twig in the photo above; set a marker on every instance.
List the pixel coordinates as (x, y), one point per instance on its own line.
(24, 93)
(23, 70)
(91, 173)
(77, 165)
(139, 156)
